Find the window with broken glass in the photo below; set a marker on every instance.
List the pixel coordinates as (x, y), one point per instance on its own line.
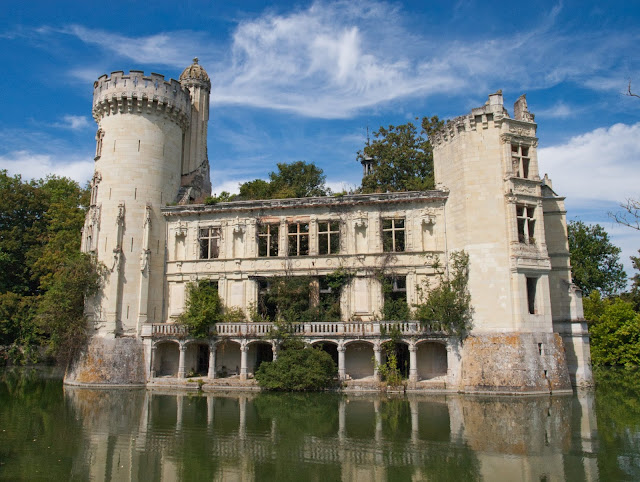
(328, 237)
(267, 307)
(526, 223)
(521, 160)
(298, 239)
(209, 239)
(268, 240)
(393, 234)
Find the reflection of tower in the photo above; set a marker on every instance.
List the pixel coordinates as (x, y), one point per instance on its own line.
(141, 120)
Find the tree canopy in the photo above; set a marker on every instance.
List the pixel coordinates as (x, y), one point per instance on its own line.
(44, 278)
(595, 261)
(402, 158)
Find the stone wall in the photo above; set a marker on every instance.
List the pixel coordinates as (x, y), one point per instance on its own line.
(108, 361)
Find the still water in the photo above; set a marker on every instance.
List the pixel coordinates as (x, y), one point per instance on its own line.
(51, 432)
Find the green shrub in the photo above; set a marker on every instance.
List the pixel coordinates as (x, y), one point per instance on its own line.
(298, 368)
(203, 308)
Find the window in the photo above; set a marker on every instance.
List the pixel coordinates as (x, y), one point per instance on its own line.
(329, 300)
(267, 308)
(209, 243)
(395, 306)
(268, 240)
(99, 138)
(299, 239)
(531, 294)
(520, 159)
(526, 224)
(393, 235)
(328, 237)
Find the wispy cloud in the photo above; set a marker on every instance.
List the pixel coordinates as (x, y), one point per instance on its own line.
(74, 122)
(559, 110)
(601, 164)
(334, 59)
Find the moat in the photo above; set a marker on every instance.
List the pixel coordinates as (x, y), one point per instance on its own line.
(55, 432)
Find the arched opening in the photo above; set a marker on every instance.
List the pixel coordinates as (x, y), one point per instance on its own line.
(401, 350)
(258, 353)
(167, 359)
(330, 347)
(358, 359)
(227, 359)
(432, 360)
(196, 360)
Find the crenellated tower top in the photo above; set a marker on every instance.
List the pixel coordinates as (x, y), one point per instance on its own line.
(137, 93)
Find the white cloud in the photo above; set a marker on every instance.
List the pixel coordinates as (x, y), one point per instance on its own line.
(559, 110)
(599, 165)
(74, 122)
(32, 165)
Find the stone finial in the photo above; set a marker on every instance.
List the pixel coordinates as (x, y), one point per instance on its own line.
(195, 60)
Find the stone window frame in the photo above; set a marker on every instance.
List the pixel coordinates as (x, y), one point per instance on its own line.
(325, 237)
(209, 242)
(268, 235)
(532, 288)
(394, 238)
(298, 240)
(99, 139)
(526, 223)
(521, 160)
(398, 286)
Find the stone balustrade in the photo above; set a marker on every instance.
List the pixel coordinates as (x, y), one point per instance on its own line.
(260, 329)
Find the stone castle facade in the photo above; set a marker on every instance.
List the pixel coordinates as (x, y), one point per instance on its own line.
(146, 225)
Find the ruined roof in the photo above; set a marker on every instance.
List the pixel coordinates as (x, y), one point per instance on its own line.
(349, 200)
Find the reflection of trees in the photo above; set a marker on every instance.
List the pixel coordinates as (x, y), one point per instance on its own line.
(39, 439)
(618, 413)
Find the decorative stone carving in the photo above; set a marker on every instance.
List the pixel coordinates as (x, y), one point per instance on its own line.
(360, 220)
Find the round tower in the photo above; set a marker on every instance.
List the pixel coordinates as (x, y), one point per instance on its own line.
(195, 162)
(142, 121)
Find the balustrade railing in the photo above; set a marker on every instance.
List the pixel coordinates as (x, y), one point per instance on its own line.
(260, 329)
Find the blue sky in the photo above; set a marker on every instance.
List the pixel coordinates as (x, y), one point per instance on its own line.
(303, 81)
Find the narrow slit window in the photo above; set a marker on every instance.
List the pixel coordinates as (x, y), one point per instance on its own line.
(532, 284)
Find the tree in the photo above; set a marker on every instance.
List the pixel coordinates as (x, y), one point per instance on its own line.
(298, 368)
(448, 305)
(297, 179)
(402, 158)
(203, 308)
(630, 214)
(595, 260)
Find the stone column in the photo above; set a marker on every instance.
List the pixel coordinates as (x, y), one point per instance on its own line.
(181, 368)
(212, 361)
(377, 353)
(244, 348)
(342, 373)
(179, 405)
(274, 349)
(413, 363)
(210, 409)
(154, 354)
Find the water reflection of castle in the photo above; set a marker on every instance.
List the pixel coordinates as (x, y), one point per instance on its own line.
(140, 434)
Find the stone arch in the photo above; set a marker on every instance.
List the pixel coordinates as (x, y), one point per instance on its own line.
(358, 359)
(259, 351)
(196, 358)
(431, 359)
(167, 358)
(330, 346)
(228, 358)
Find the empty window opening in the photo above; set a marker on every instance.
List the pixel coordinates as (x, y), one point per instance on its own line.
(268, 240)
(132, 244)
(329, 299)
(531, 294)
(135, 193)
(540, 350)
(329, 237)
(138, 145)
(526, 223)
(209, 239)
(298, 239)
(521, 160)
(267, 307)
(393, 235)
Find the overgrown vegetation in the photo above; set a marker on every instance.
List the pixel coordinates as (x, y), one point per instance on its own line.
(298, 368)
(44, 278)
(390, 372)
(203, 308)
(447, 306)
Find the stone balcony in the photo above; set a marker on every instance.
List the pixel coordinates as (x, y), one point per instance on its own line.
(315, 329)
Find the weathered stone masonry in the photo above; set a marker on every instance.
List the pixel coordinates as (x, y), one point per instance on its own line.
(528, 334)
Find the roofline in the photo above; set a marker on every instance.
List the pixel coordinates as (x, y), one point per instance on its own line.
(307, 202)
